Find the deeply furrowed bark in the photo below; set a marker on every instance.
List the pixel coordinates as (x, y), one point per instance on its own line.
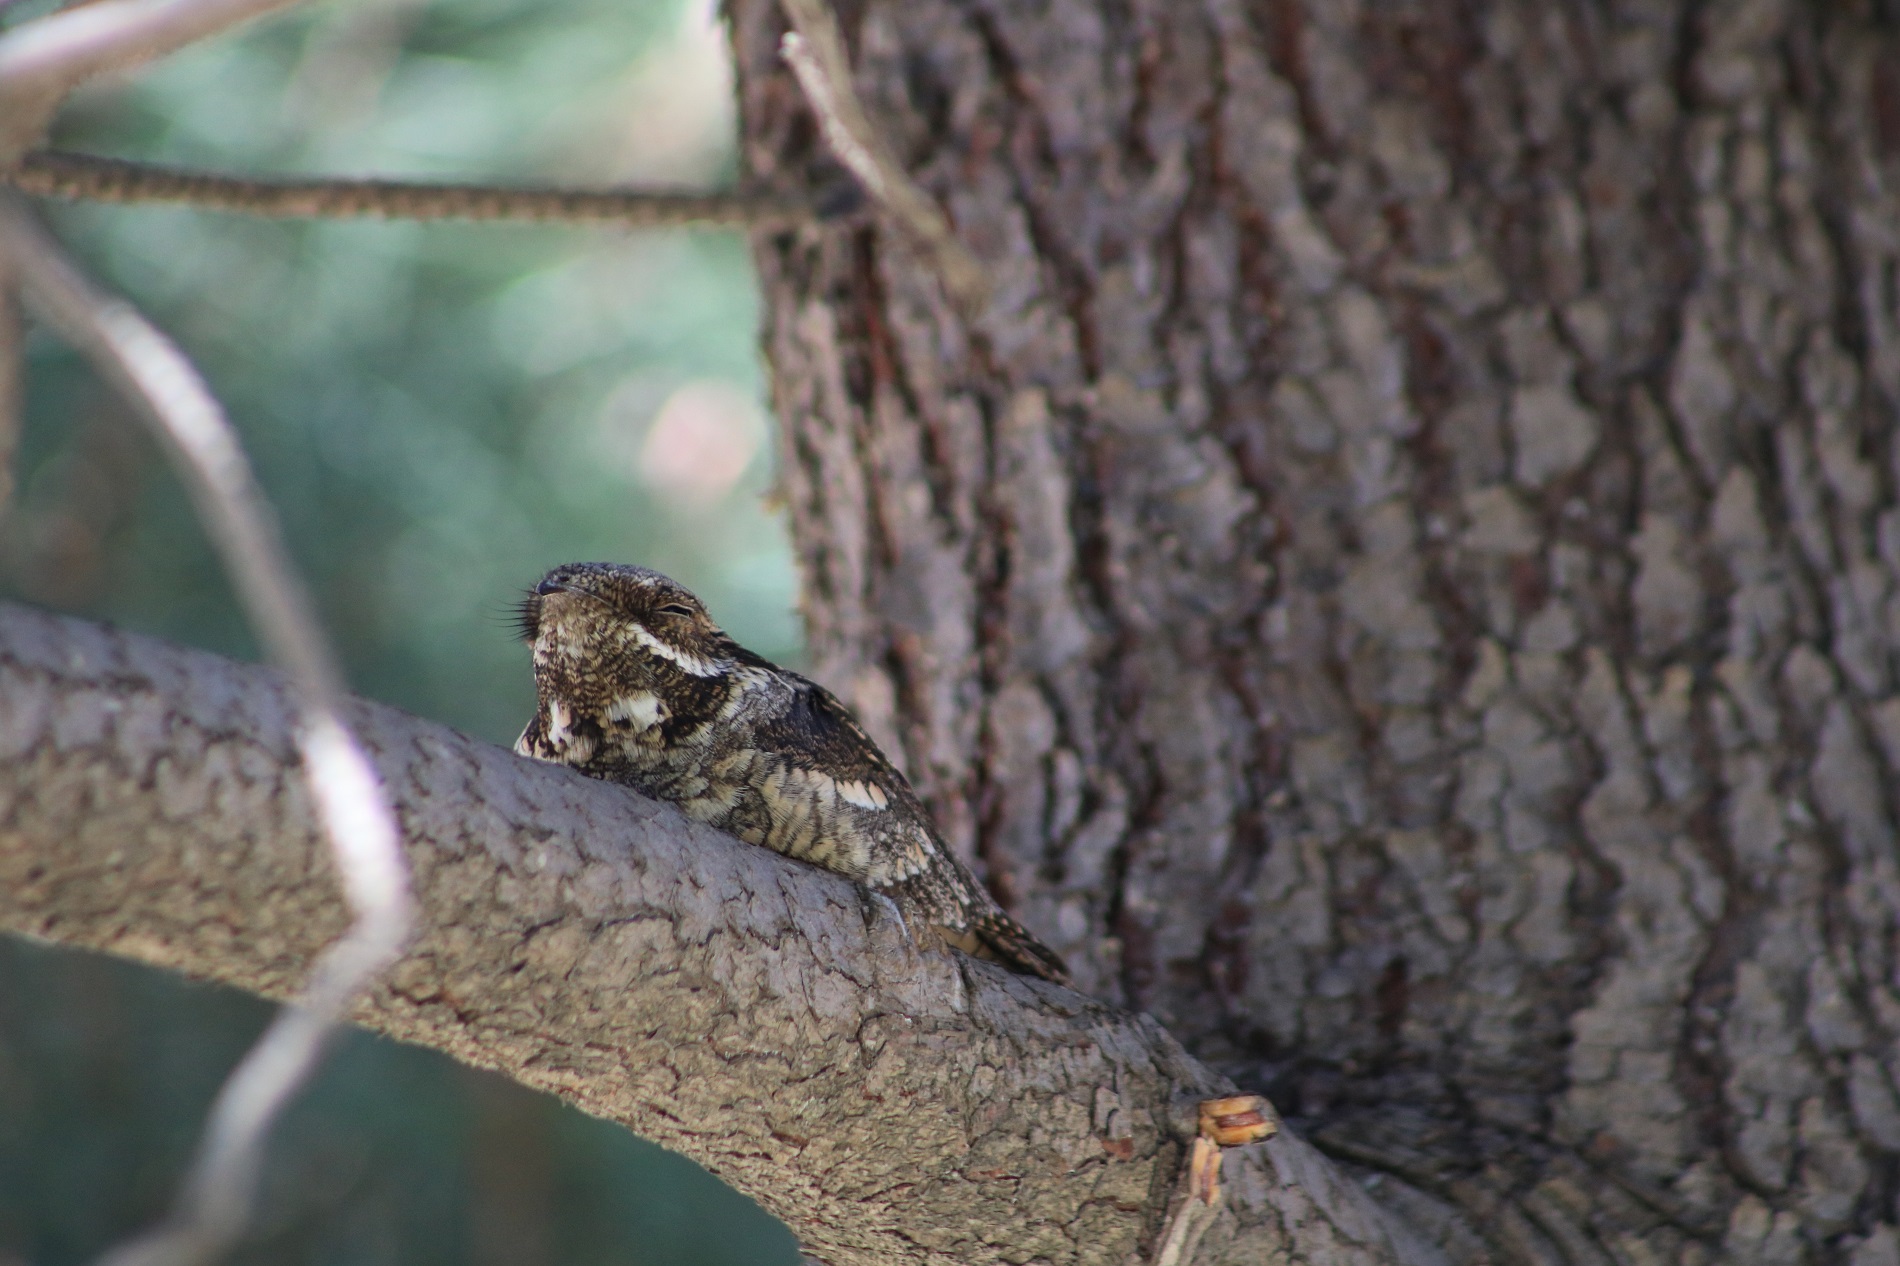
(1400, 583)
(890, 1104)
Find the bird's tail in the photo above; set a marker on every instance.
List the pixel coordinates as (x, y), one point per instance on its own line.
(1009, 943)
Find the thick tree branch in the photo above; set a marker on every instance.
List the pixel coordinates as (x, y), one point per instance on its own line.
(892, 1104)
(97, 179)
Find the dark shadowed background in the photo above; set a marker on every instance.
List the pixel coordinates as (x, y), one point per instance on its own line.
(439, 413)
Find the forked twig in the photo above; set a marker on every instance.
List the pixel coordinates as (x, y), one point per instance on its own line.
(213, 1206)
(815, 51)
(63, 175)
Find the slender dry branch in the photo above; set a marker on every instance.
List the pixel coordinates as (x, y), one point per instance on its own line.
(97, 179)
(168, 393)
(42, 61)
(815, 51)
(1191, 1214)
(894, 1104)
(155, 376)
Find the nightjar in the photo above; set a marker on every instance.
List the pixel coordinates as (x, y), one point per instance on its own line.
(638, 686)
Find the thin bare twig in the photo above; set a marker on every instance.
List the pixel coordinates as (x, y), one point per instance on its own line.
(1229, 1121)
(42, 61)
(1194, 1206)
(815, 51)
(214, 1204)
(97, 179)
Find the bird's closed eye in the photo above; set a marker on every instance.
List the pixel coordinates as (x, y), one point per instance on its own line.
(675, 608)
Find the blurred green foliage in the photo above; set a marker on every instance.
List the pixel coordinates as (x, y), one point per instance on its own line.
(439, 414)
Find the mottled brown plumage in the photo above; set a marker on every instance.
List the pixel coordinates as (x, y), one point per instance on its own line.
(638, 686)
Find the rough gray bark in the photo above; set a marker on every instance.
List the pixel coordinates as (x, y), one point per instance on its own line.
(891, 1105)
(1400, 583)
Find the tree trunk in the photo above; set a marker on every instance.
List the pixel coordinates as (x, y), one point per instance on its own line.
(1399, 582)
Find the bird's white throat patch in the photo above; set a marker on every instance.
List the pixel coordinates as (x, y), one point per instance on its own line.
(559, 719)
(641, 710)
(574, 748)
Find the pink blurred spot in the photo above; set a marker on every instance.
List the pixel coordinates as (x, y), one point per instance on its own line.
(700, 443)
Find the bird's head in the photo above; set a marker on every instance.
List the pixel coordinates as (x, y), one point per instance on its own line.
(619, 652)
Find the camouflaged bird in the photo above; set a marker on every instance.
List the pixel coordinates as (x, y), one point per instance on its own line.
(638, 686)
